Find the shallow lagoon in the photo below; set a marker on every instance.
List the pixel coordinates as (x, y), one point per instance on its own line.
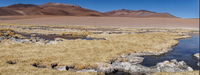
(184, 51)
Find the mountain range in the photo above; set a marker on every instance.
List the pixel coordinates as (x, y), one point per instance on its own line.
(73, 10)
(138, 13)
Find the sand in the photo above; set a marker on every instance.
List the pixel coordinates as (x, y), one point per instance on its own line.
(103, 21)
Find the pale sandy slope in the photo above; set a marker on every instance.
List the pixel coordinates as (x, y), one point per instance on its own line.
(104, 21)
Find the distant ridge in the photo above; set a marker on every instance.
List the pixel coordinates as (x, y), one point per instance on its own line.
(138, 13)
(73, 10)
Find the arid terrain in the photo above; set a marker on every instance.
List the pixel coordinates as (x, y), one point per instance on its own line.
(24, 51)
(48, 9)
(103, 21)
(73, 10)
(67, 14)
(138, 13)
(65, 39)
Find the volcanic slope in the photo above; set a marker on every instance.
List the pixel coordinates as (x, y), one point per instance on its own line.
(48, 9)
(138, 13)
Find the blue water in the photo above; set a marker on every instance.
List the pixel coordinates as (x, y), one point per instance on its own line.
(184, 51)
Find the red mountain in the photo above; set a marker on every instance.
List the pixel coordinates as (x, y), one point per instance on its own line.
(139, 13)
(48, 9)
(73, 10)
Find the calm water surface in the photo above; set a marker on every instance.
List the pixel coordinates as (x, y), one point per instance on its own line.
(184, 51)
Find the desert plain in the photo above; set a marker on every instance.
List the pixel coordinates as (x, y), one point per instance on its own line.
(103, 21)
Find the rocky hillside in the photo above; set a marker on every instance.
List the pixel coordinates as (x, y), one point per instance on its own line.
(138, 13)
(48, 9)
(73, 10)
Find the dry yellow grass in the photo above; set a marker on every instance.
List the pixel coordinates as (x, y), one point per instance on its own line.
(85, 51)
(82, 29)
(26, 69)
(179, 73)
(78, 52)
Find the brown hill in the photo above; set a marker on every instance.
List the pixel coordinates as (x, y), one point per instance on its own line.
(48, 9)
(73, 10)
(139, 13)
(21, 5)
(4, 12)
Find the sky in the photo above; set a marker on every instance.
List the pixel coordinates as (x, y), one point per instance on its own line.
(178, 8)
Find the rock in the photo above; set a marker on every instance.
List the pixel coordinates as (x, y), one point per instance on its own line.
(70, 65)
(41, 39)
(84, 70)
(122, 66)
(11, 62)
(51, 42)
(173, 66)
(59, 39)
(41, 43)
(25, 41)
(53, 65)
(39, 65)
(138, 69)
(196, 55)
(61, 68)
(135, 69)
(141, 70)
(190, 69)
(137, 60)
(106, 68)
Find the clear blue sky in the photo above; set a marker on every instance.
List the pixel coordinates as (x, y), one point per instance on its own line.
(179, 8)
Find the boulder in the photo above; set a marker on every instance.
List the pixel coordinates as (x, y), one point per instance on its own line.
(135, 69)
(141, 70)
(173, 66)
(196, 55)
(122, 66)
(61, 68)
(106, 68)
(138, 69)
